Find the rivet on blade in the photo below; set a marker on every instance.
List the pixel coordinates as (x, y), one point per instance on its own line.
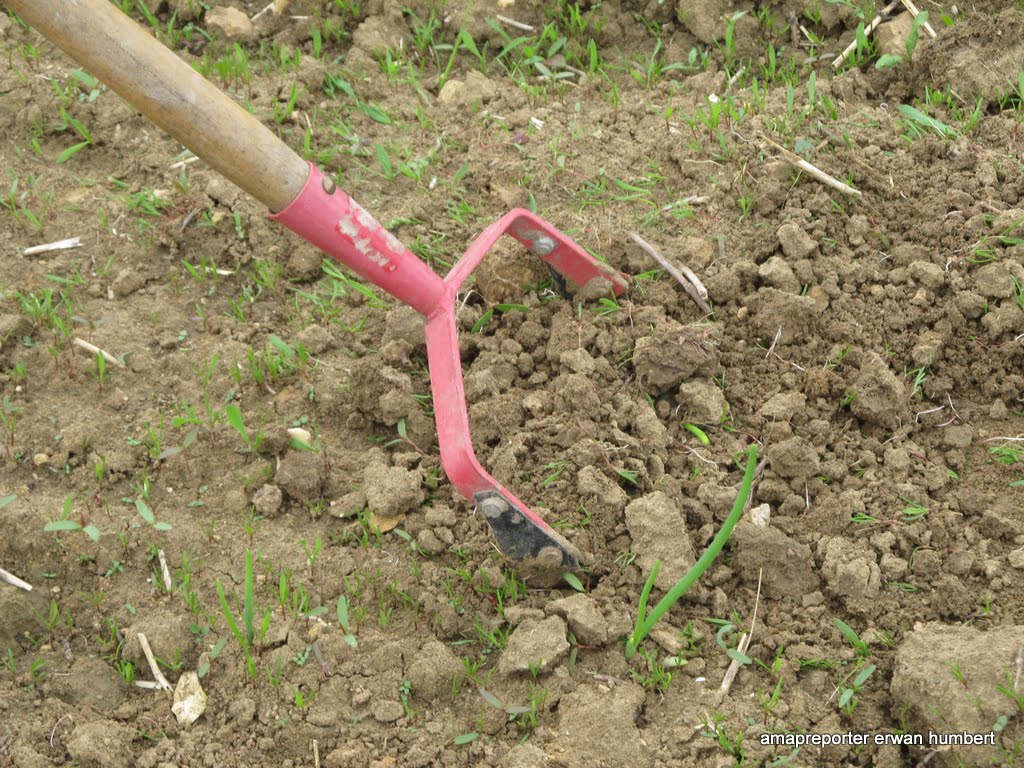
(543, 245)
(329, 185)
(493, 508)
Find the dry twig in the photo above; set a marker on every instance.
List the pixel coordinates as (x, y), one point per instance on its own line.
(909, 5)
(744, 643)
(514, 24)
(165, 570)
(161, 681)
(812, 170)
(867, 31)
(58, 245)
(92, 349)
(14, 581)
(683, 275)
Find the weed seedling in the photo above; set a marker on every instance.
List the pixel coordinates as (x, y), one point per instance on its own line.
(65, 523)
(347, 636)
(858, 645)
(644, 623)
(851, 691)
(234, 416)
(913, 511)
(249, 639)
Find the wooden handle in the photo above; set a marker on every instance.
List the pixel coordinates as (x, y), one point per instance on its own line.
(170, 93)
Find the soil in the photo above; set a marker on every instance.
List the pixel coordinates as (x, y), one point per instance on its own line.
(870, 345)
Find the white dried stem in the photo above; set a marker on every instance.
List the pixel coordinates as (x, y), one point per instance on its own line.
(57, 245)
(909, 5)
(92, 349)
(165, 570)
(161, 683)
(266, 8)
(57, 725)
(182, 163)
(867, 31)
(690, 287)
(514, 24)
(919, 414)
(734, 667)
(812, 170)
(1019, 661)
(14, 581)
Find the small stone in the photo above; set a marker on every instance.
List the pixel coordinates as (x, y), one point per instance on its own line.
(891, 37)
(100, 743)
(535, 645)
(428, 542)
(812, 599)
(267, 500)
(994, 281)
(958, 436)
(242, 710)
(391, 492)
(126, 283)
(796, 243)
(40, 460)
(189, 699)
(931, 276)
(349, 505)
(585, 618)
(301, 475)
(451, 92)
(1016, 558)
(793, 458)
(777, 273)
(433, 671)
(701, 400)
(230, 22)
(298, 434)
(658, 532)
(761, 515)
(783, 406)
(441, 515)
(578, 361)
(385, 711)
(304, 263)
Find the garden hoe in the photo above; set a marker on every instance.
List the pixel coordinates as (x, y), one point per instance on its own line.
(174, 96)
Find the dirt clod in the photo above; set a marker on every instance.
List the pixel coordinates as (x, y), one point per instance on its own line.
(536, 644)
(659, 532)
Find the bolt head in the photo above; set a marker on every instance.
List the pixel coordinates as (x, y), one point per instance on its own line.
(329, 185)
(493, 507)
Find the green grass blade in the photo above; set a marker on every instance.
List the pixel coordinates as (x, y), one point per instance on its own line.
(248, 604)
(691, 576)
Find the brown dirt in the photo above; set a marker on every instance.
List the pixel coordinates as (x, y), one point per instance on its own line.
(872, 347)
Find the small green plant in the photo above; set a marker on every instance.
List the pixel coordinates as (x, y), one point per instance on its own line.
(249, 638)
(234, 416)
(65, 523)
(342, 613)
(1011, 689)
(860, 646)
(9, 414)
(573, 581)
(913, 511)
(81, 130)
(657, 676)
(850, 691)
(892, 59)
(919, 124)
(147, 514)
(644, 623)
(312, 552)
